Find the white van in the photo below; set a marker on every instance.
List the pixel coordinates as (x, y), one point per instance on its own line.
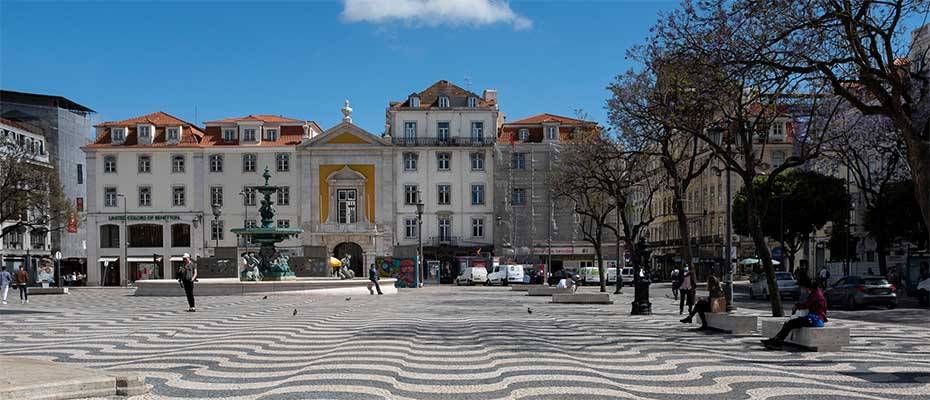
(589, 276)
(626, 273)
(506, 273)
(472, 275)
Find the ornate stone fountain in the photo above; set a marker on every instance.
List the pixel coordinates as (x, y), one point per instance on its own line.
(270, 265)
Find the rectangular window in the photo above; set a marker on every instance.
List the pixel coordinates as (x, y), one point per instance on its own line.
(173, 135)
(346, 206)
(284, 196)
(229, 135)
(472, 102)
(271, 135)
(177, 164)
(79, 203)
(283, 162)
(410, 194)
(249, 198)
(442, 130)
(518, 161)
(524, 134)
(444, 195)
(178, 196)
(145, 132)
(410, 228)
(445, 229)
(477, 194)
(248, 135)
(551, 133)
(443, 159)
(443, 102)
(410, 161)
(248, 163)
(145, 196)
(216, 163)
(216, 230)
(477, 131)
(284, 223)
(410, 130)
(477, 161)
(518, 197)
(80, 174)
(145, 164)
(119, 134)
(109, 197)
(477, 227)
(216, 195)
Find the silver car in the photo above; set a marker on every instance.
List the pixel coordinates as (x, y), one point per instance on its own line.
(853, 292)
(787, 286)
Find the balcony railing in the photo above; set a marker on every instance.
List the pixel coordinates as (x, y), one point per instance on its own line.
(443, 240)
(449, 141)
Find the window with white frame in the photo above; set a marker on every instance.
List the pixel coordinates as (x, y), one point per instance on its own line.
(109, 164)
(524, 134)
(284, 196)
(216, 163)
(118, 134)
(777, 130)
(414, 101)
(271, 135)
(174, 135)
(477, 130)
(518, 161)
(145, 132)
(216, 229)
(229, 135)
(444, 194)
(109, 197)
(477, 194)
(473, 102)
(552, 133)
(411, 194)
(410, 228)
(249, 163)
(445, 228)
(778, 158)
(284, 223)
(249, 198)
(346, 206)
(410, 130)
(216, 195)
(178, 196)
(177, 164)
(477, 161)
(518, 196)
(283, 162)
(248, 135)
(477, 227)
(145, 196)
(145, 164)
(443, 102)
(410, 161)
(443, 160)
(442, 130)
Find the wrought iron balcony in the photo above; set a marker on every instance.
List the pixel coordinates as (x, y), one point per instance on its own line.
(443, 240)
(448, 141)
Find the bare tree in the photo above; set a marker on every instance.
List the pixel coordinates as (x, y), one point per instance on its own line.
(31, 196)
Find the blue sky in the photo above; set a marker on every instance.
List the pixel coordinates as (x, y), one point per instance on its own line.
(301, 59)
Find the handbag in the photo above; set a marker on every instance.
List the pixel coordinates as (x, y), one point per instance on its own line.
(718, 304)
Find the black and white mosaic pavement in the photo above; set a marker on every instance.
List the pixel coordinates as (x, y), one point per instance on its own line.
(447, 343)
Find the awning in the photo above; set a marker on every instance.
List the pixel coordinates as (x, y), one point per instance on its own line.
(177, 258)
(107, 259)
(141, 259)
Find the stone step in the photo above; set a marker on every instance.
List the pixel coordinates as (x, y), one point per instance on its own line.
(582, 298)
(547, 291)
(828, 338)
(519, 287)
(46, 290)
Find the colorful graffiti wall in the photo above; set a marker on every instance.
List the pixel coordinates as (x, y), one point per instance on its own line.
(402, 269)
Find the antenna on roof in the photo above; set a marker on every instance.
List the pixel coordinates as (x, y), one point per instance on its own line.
(467, 83)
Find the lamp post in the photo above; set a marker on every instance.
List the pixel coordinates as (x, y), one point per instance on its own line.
(58, 267)
(217, 211)
(416, 280)
(728, 251)
(125, 264)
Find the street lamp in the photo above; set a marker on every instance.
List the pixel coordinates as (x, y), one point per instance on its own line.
(416, 281)
(125, 269)
(217, 211)
(58, 267)
(728, 252)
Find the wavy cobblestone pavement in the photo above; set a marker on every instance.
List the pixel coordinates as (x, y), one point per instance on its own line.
(447, 343)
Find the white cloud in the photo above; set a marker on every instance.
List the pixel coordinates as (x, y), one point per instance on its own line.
(434, 12)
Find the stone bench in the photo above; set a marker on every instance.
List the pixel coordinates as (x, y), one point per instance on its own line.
(582, 298)
(521, 287)
(732, 323)
(46, 290)
(827, 338)
(547, 291)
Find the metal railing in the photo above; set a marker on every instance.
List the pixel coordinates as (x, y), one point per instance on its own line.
(447, 141)
(443, 240)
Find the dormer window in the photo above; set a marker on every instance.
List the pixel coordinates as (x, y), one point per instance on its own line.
(248, 135)
(229, 135)
(473, 102)
(145, 132)
(524, 134)
(443, 102)
(414, 101)
(174, 135)
(271, 135)
(118, 134)
(777, 130)
(552, 133)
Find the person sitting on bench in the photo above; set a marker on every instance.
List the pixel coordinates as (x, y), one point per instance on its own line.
(704, 304)
(812, 313)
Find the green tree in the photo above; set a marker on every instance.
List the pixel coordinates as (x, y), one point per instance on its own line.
(892, 217)
(800, 202)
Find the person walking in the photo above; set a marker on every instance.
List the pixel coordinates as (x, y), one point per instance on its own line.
(373, 277)
(824, 277)
(187, 274)
(675, 282)
(5, 280)
(686, 290)
(22, 282)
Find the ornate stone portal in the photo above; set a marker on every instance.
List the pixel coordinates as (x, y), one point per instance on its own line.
(271, 265)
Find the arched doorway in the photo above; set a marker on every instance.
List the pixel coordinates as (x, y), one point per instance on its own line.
(353, 250)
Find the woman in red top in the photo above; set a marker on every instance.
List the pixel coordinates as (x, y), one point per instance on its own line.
(816, 307)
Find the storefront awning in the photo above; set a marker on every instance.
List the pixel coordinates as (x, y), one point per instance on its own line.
(107, 259)
(141, 259)
(177, 258)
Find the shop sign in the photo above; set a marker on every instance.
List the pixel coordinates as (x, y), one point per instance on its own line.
(145, 218)
(564, 250)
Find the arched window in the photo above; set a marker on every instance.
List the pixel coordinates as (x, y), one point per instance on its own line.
(180, 235)
(109, 164)
(177, 164)
(109, 236)
(145, 235)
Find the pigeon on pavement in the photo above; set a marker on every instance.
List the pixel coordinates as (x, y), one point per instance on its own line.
(348, 298)
(265, 298)
(295, 312)
(529, 311)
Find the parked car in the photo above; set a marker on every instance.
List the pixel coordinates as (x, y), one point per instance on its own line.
(589, 276)
(505, 274)
(787, 286)
(612, 276)
(853, 292)
(626, 273)
(472, 275)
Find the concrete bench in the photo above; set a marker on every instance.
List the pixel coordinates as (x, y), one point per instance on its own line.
(547, 291)
(520, 287)
(827, 338)
(732, 323)
(46, 290)
(582, 298)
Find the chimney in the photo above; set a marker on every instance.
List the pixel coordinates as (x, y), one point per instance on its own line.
(490, 96)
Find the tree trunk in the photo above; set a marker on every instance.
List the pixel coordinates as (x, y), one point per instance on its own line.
(600, 267)
(918, 157)
(683, 230)
(762, 250)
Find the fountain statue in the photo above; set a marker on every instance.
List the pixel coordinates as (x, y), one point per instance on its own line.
(269, 265)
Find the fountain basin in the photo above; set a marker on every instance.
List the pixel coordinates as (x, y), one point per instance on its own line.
(235, 287)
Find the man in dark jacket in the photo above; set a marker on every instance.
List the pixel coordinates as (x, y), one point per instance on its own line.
(373, 277)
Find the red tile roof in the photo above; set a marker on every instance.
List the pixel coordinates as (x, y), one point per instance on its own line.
(159, 118)
(546, 117)
(429, 97)
(510, 132)
(264, 118)
(191, 135)
(288, 136)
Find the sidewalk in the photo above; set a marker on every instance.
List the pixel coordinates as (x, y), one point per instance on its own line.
(26, 378)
